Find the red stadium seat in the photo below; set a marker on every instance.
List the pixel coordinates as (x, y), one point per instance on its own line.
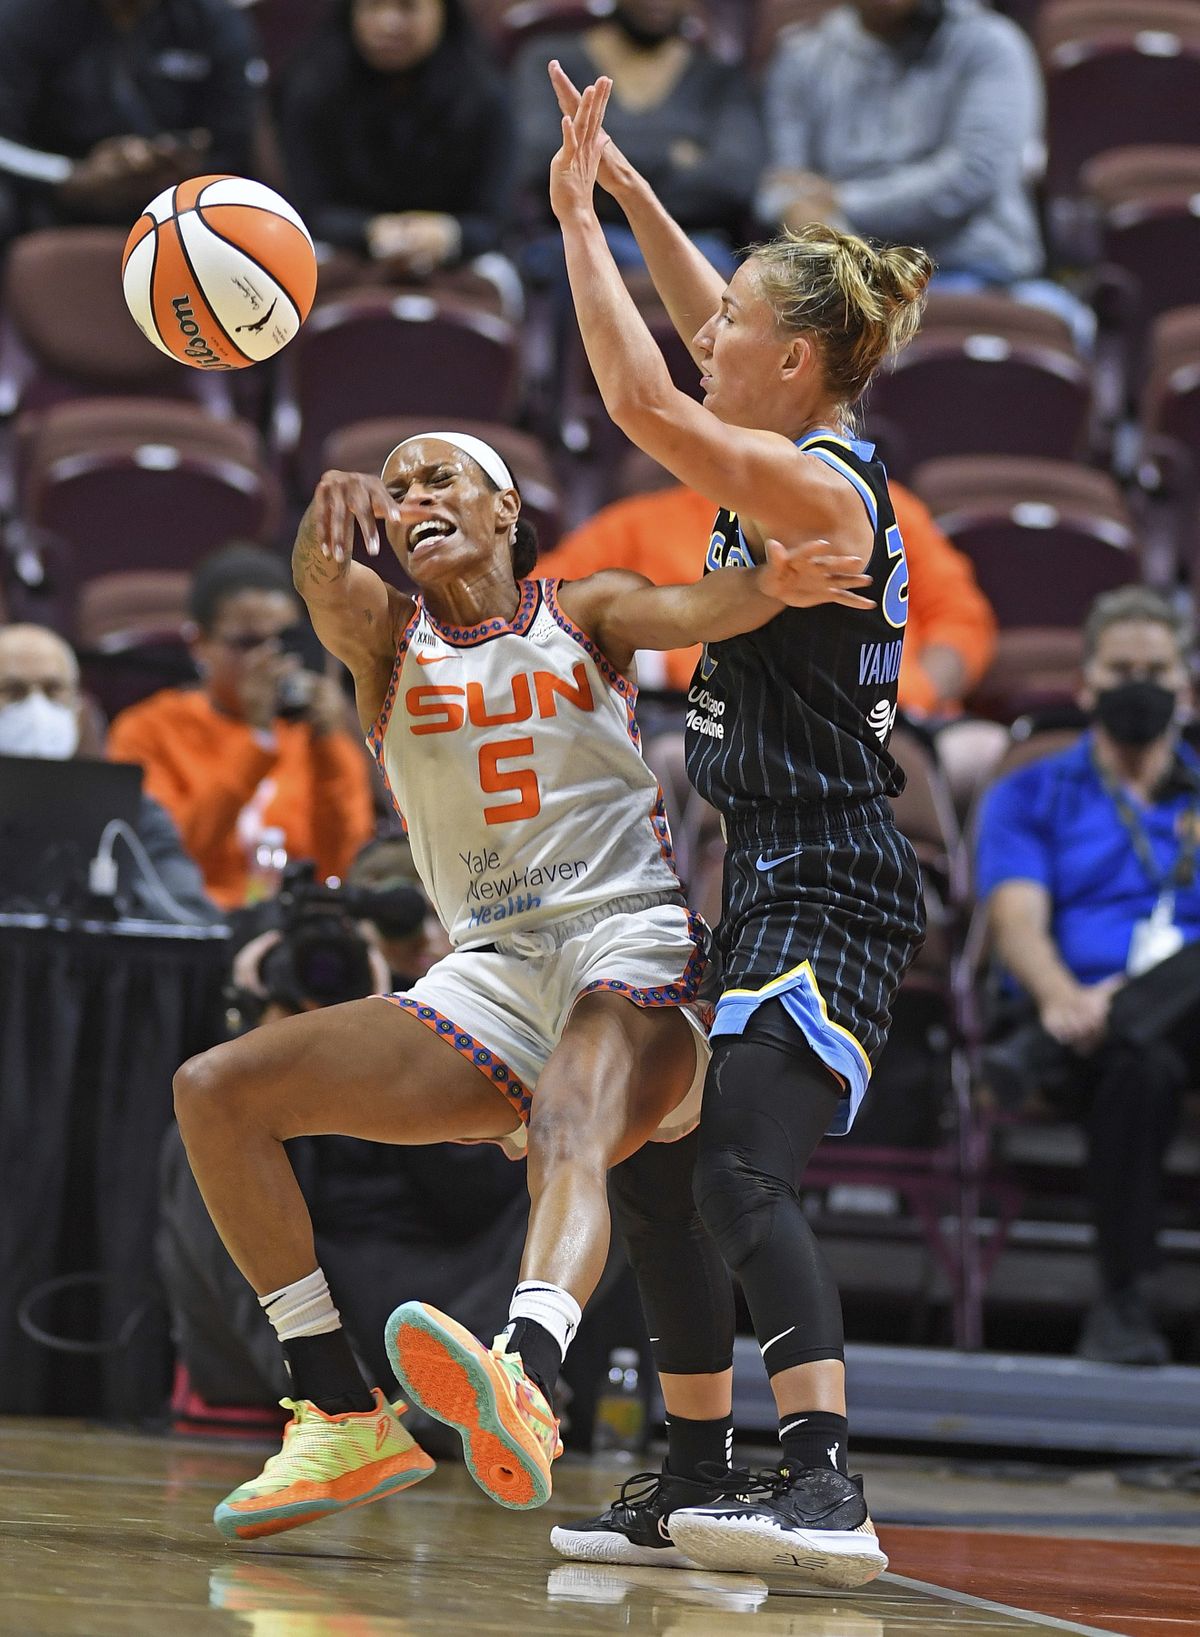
(1116, 74)
(68, 333)
(150, 493)
(1144, 202)
(974, 390)
(131, 635)
(1045, 537)
(372, 353)
(584, 421)
(1035, 669)
(65, 332)
(1169, 460)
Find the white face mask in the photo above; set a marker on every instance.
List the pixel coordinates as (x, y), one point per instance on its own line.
(37, 726)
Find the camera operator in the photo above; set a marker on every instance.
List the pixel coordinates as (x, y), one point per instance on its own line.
(262, 743)
(409, 949)
(390, 1220)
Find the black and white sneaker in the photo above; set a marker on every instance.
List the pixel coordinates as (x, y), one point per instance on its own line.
(810, 1520)
(634, 1528)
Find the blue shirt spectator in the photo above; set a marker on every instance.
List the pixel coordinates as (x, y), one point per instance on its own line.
(1087, 863)
(1055, 823)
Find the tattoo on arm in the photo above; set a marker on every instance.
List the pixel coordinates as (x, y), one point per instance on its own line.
(310, 566)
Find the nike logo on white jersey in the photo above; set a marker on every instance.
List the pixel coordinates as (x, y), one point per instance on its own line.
(773, 863)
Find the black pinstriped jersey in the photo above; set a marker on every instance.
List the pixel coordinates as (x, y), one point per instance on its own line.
(801, 710)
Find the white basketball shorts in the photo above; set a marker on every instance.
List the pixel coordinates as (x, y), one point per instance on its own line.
(505, 1007)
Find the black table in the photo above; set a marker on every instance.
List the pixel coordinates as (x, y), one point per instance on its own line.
(94, 1019)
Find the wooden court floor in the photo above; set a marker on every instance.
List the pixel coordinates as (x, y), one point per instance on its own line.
(108, 1534)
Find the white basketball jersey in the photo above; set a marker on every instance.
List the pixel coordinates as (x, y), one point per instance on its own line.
(512, 754)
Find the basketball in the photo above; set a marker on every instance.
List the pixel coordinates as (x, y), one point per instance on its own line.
(219, 272)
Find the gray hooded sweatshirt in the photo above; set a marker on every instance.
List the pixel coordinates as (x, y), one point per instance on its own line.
(932, 141)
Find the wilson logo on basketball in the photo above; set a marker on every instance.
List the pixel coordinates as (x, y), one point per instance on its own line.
(197, 348)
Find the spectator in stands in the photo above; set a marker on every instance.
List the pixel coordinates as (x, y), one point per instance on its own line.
(917, 122)
(261, 743)
(664, 534)
(42, 714)
(1087, 862)
(398, 137)
(103, 103)
(687, 121)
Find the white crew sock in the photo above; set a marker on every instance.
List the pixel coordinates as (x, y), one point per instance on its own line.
(304, 1308)
(555, 1309)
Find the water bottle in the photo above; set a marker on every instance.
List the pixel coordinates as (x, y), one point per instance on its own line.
(620, 1423)
(267, 864)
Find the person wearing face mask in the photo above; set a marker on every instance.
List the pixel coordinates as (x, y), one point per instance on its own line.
(687, 121)
(40, 715)
(917, 122)
(1087, 860)
(261, 744)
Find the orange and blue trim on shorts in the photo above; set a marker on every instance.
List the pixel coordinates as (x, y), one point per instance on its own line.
(681, 993)
(466, 1045)
(805, 1005)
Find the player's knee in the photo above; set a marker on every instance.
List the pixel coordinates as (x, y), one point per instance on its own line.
(736, 1201)
(558, 1137)
(652, 1203)
(205, 1088)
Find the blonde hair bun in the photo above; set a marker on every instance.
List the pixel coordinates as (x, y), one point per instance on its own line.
(861, 302)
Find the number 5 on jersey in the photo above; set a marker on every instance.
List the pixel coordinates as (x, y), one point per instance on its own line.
(495, 781)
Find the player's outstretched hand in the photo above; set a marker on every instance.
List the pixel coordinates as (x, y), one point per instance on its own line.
(344, 501)
(612, 160)
(805, 576)
(584, 139)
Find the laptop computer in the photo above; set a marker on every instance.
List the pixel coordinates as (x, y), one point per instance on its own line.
(52, 815)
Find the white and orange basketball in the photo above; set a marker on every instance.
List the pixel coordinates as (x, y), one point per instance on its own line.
(219, 272)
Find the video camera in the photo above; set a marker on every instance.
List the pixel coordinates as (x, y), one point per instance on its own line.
(321, 957)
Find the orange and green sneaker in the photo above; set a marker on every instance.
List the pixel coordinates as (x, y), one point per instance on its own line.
(509, 1432)
(328, 1463)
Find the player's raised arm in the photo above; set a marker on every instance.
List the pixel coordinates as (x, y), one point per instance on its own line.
(758, 474)
(623, 611)
(356, 614)
(687, 282)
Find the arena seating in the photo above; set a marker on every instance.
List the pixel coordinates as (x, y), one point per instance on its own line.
(373, 352)
(1060, 474)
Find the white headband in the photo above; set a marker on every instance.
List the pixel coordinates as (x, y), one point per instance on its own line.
(479, 451)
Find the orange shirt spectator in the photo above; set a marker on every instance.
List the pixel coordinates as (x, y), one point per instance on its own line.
(223, 787)
(222, 759)
(664, 535)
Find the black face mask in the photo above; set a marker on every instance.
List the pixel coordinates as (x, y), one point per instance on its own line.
(1134, 713)
(643, 36)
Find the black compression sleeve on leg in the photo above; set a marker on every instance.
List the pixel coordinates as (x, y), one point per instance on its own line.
(686, 1293)
(765, 1110)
